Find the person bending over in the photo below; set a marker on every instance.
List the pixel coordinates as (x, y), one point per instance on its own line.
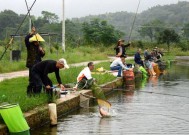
(119, 64)
(40, 73)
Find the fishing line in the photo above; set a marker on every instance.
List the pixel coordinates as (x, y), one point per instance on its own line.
(150, 92)
(134, 20)
(166, 115)
(32, 24)
(12, 37)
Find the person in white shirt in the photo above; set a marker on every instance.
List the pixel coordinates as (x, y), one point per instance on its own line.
(119, 64)
(84, 79)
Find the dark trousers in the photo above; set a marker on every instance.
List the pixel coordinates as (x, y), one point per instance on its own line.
(39, 82)
(119, 68)
(31, 86)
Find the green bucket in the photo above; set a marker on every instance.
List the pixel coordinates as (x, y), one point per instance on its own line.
(14, 119)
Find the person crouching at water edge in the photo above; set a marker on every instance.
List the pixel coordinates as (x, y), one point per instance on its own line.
(84, 79)
(119, 64)
(40, 73)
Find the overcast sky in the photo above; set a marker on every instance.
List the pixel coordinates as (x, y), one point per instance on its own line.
(80, 8)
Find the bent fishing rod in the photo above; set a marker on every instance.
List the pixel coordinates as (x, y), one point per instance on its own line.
(12, 37)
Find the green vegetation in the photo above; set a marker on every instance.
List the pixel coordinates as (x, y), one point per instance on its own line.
(72, 55)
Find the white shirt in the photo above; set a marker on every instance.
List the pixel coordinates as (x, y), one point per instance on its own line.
(117, 62)
(86, 72)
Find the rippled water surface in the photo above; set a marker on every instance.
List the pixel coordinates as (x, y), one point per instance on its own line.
(158, 106)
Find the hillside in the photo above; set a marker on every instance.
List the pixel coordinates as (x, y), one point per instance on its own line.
(173, 15)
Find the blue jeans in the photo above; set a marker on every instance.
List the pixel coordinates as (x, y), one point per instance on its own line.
(119, 68)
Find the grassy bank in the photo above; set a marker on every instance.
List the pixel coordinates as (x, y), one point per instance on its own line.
(80, 54)
(14, 90)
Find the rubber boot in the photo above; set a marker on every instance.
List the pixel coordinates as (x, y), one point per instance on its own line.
(29, 91)
(49, 95)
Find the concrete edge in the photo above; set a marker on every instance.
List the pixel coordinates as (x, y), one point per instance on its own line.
(40, 115)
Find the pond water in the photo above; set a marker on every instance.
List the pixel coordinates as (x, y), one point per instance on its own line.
(158, 106)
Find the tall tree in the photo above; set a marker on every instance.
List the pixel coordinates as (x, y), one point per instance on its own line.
(100, 32)
(151, 29)
(50, 17)
(168, 36)
(186, 30)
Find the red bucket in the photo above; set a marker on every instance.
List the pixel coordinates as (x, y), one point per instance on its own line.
(128, 75)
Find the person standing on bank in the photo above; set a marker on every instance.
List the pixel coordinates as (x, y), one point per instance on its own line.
(121, 48)
(34, 54)
(40, 73)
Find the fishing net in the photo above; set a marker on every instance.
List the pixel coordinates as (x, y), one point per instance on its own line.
(97, 92)
(85, 84)
(104, 108)
(104, 103)
(84, 100)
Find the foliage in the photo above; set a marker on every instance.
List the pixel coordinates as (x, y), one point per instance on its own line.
(99, 32)
(72, 55)
(184, 45)
(186, 30)
(168, 36)
(74, 33)
(151, 29)
(50, 17)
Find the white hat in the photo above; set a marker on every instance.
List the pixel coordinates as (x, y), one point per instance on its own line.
(63, 61)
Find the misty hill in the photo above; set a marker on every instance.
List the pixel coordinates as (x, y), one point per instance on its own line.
(173, 15)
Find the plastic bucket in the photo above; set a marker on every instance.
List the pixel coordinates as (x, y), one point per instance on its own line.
(14, 119)
(128, 77)
(156, 69)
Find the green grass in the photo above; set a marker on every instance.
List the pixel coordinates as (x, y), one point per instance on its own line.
(81, 54)
(14, 90)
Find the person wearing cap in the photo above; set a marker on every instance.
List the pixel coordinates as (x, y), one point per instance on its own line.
(40, 73)
(119, 64)
(85, 79)
(34, 54)
(121, 48)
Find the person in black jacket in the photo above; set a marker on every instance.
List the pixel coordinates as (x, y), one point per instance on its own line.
(41, 70)
(34, 54)
(121, 48)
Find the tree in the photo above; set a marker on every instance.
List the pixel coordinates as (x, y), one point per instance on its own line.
(99, 32)
(151, 29)
(168, 36)
(50, 17)
(8, 20)
(186, 30)
(74, 33)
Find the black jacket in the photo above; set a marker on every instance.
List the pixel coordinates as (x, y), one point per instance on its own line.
(34, 55)
(44, 68)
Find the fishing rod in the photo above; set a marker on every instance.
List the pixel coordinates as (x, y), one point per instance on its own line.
(134, 20)
(12, 37)
(150, 92)
(32, 24)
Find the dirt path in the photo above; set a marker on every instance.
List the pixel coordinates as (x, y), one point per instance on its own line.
(11, 75)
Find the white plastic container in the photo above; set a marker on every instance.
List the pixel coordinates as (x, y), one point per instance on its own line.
(53, 113)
